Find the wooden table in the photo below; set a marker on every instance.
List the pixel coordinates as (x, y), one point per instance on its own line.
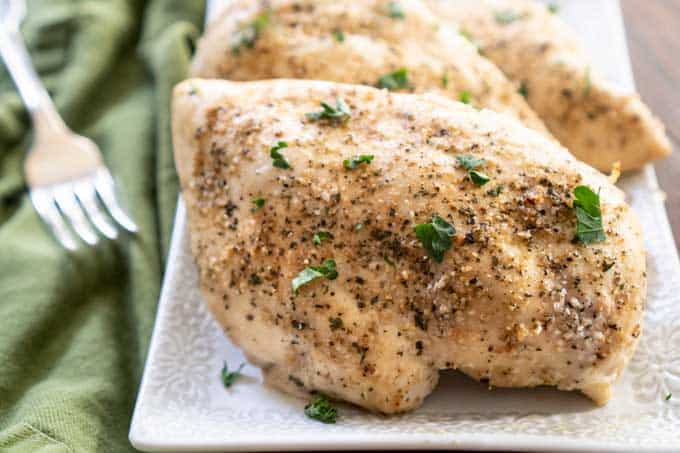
(653, 29)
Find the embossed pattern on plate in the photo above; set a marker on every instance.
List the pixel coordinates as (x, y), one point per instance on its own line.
(183, 406)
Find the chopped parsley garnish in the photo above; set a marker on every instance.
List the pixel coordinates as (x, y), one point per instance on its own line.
(589, 227)
(523, 89)
(340, 112)
(668, 397)
(228, 377)
(470, 163)
(339, 35)
(435, 237)
(395, 11)
(478, 177)
(553, 8)
(445, 80)
(309, 274)
(248, 34)
(507, 16)
(321, 409)
(321, 236)
(396, 80)
(465, 97)
(278, 160)
(258, 202)
(351, 164)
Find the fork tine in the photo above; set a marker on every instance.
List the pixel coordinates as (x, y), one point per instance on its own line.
(66, 200)
(45, 207)
(87, 196)
(105, 189)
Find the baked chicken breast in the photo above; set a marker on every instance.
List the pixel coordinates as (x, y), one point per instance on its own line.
(400, 46)
(533, 47)
(358, 246)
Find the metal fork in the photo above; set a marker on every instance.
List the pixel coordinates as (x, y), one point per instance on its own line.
(66, 176)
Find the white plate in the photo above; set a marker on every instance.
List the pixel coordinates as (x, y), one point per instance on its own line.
(183, 406)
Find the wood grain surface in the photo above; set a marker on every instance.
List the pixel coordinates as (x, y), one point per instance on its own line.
(653, 30)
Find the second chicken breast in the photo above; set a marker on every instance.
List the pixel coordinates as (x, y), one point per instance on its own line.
(599, 124)
(400, 46)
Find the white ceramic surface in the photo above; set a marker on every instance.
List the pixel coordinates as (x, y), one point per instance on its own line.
(183, 406)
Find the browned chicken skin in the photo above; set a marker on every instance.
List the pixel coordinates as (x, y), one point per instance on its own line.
(515, 300)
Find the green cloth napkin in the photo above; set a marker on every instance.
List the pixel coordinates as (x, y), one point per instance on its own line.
(74, 329)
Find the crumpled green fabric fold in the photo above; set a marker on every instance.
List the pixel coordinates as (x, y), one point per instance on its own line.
(74, 328)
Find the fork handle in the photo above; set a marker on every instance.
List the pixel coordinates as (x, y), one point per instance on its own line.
(32, 91)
